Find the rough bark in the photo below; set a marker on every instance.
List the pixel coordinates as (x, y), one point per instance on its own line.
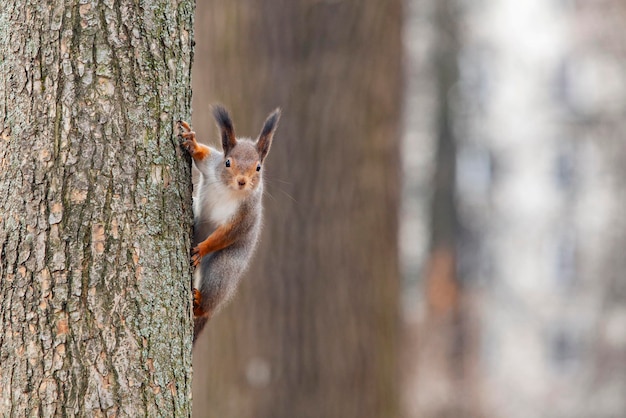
(313, 330)
(95, 219)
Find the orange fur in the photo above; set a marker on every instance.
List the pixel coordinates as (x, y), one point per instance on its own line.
(200, 152)
(219, 239)
(197, 151)
(197, 302)
(230, 190)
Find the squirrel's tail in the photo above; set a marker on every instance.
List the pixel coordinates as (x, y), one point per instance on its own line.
(198, 324)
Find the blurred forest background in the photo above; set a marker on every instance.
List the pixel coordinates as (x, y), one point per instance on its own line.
(445, 229)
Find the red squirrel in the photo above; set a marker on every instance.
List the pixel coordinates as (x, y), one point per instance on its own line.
(227, 211)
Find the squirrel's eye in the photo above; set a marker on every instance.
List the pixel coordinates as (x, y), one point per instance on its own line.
(227, 163)
(258, 167)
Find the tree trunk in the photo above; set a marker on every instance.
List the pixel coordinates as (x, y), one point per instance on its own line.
(444, 348)
(542, 198)
(313, 330)
(95, 221)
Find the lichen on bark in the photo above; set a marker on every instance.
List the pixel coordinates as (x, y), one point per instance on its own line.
(96, 208)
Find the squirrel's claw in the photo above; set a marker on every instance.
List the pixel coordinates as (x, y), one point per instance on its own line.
(188, 142)
(188, 137)
(197, 299)
(184, 125)
(185, 132)
(195, 257)
(188, 145)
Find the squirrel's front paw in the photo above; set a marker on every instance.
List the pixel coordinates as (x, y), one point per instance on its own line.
(183, 126)
(189, 143)
(188, 136)
(195, 256)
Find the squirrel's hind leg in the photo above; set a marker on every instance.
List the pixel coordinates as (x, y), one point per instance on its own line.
(201, 314)
(197, 303)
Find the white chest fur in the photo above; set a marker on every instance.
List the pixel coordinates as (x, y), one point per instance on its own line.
(224, 206)
(218, 204)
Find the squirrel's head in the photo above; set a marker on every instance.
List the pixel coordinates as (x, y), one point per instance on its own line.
(243, 158)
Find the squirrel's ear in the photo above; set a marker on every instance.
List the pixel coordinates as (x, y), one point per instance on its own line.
(267, 133)
(226, 128)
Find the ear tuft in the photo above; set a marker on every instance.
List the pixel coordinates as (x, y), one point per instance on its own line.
(267, 133)
(226, 127)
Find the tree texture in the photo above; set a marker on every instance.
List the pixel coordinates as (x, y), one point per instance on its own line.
(95, 220)
(313, 330)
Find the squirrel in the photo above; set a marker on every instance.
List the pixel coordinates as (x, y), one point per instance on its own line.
(227, 211)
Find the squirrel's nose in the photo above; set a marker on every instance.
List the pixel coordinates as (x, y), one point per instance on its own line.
(241, 181)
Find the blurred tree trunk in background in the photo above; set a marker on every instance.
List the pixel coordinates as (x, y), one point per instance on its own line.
(313, 331)
(95, 219)
(440, 353)
(541, 193)
(437, 348)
